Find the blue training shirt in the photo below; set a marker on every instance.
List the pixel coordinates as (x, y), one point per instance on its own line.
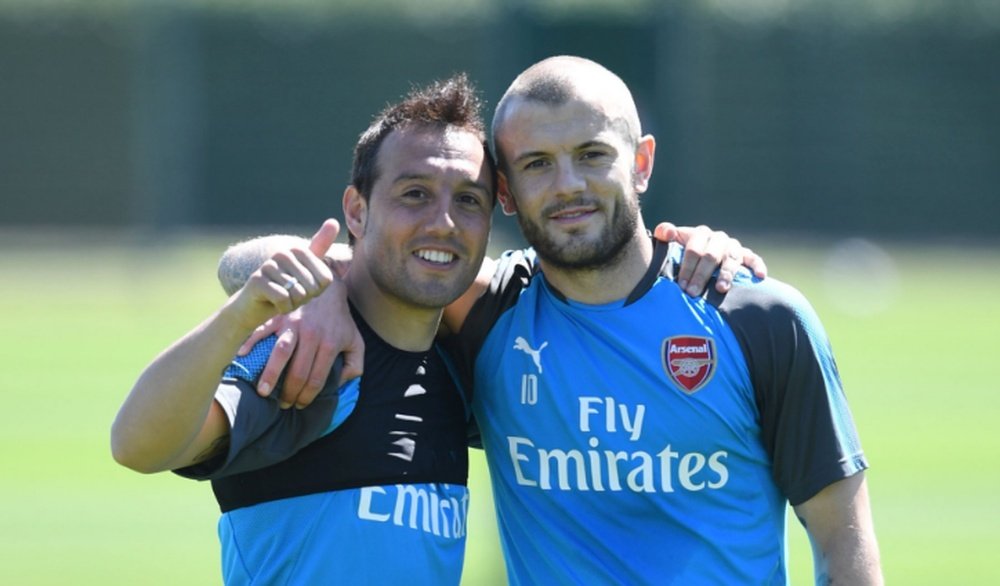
(367, 485)
(654, 440)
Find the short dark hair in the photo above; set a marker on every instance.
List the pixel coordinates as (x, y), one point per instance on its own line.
(555, 81)
(450, 102)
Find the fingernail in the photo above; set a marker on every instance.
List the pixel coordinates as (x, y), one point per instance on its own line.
(265, 390)
(683, 284)
(693, 291)
(284, 404)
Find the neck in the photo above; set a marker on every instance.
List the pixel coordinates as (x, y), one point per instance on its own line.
(399, 323)
(605, 284)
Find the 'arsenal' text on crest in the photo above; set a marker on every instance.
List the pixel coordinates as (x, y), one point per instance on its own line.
(689, 361)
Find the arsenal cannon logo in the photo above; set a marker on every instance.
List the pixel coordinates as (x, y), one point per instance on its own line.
(689, 361)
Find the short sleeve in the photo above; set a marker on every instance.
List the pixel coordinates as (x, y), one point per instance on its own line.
(261, 433)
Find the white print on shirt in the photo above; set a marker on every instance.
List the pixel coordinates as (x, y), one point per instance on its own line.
(609, 470)
(529, 389)
(406, 444)
(408, 505)
(631, 422)
(536, 355)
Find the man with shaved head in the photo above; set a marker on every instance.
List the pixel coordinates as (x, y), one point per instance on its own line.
(636, 434)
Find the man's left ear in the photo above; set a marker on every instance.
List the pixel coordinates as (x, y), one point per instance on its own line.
(507, 203)
(355, 211)
(643, 167)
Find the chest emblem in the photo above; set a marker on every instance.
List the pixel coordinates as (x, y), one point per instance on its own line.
(689, 361)
(536, 355)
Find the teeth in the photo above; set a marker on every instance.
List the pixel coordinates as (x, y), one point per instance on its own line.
(436, 256)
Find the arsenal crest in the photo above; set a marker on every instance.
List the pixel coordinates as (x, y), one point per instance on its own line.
(689, 361)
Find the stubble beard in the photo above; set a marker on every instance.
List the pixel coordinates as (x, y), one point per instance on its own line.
(391, 275)
(586, 255)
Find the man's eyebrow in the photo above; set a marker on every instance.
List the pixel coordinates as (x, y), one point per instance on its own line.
(478, 185)
(529, 155)
(430, 177)
(582, 146)
(593, 143)
(412, 177)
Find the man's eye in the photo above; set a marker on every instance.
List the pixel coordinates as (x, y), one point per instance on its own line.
(591, 154)
(469, 199)
(535, 164)
(414, 194)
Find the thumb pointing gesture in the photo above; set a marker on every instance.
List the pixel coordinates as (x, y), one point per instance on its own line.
(323, 239)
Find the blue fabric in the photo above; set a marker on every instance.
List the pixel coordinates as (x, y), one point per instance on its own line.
(250, 367)
(363, 486)
(375, 535)
(625, 442)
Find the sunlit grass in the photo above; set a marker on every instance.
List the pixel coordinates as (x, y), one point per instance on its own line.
(81, 322)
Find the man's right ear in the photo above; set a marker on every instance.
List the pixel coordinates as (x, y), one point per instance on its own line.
(355, 211)
(507, 203)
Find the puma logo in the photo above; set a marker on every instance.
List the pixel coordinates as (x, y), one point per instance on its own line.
(536, 355)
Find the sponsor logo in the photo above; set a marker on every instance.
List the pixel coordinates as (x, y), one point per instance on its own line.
(601, 470)
(689, 361)
(614, 466)
(434, 509)
(536, 355)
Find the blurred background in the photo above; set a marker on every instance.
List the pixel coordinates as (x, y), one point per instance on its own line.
(856, 144)
(812, 116)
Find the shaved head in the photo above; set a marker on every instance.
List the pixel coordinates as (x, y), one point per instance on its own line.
(558, 80)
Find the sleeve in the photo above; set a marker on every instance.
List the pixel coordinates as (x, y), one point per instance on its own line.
(806, 425)
(261, 433)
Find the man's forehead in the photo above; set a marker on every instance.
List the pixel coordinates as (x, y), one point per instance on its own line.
(434, 152)
(435, 141)
(530, 123)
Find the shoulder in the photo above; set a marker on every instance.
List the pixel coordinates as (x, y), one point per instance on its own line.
(777, 328)
(764, 302)
(498, 280)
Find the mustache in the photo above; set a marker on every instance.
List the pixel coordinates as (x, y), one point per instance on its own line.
(575, 203)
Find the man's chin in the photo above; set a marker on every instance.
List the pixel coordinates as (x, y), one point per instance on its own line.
(573, 258)
(436, 295)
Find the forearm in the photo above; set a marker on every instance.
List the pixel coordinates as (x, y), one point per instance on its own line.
(851, 558)
(164, 422)
(839, 522)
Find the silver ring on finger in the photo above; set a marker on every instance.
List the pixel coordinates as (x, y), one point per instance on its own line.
(290, 282)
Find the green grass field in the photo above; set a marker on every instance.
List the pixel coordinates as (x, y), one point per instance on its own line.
(916, 356)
